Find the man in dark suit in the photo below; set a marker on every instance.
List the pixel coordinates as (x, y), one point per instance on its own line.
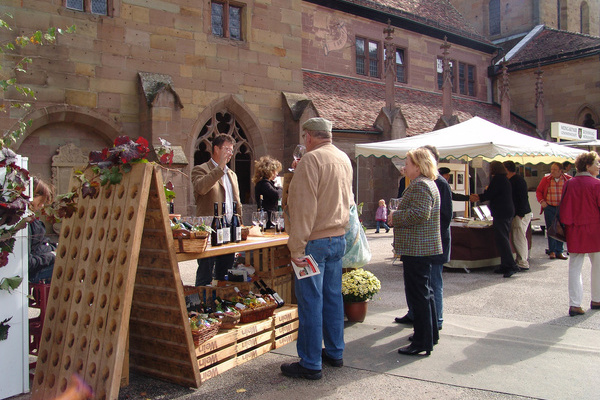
(214, 182)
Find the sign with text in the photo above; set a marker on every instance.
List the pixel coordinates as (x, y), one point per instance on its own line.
(560, 130)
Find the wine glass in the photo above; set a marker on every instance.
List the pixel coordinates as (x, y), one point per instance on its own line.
(262, 220)
(299, 151)
(256, 218)
(276, 217)
(394, 203)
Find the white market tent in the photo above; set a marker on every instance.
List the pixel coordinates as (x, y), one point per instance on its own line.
(475, 138)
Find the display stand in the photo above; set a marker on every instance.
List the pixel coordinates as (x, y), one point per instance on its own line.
(115, 275)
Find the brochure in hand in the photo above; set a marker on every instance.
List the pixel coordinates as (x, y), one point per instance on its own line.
(309, 270)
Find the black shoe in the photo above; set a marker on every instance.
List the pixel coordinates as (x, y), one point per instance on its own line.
(295, 370)
(387, 230)
(411, 350)
(511, 272)
(332, 362)
(403, 320)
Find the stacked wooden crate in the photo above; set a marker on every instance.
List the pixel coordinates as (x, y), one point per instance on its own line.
(233, 347)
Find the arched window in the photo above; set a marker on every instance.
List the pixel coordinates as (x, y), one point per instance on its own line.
(584, 14)
(494, 17)
(562, 11)
(241, 162)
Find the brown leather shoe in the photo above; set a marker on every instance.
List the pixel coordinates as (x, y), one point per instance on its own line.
(552, 255)
(562, 256)
(595, 305)
(573, 311)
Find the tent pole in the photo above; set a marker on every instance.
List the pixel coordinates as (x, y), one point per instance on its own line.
(357, 172)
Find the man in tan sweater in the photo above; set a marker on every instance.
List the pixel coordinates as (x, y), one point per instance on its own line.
(317, 212)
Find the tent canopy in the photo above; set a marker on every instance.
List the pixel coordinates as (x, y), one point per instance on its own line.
(475, 138)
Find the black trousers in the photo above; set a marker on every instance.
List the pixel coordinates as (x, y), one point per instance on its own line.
(501, 235)
(420, 299)
(220, 264)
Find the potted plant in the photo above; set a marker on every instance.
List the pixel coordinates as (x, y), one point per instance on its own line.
(358, 287)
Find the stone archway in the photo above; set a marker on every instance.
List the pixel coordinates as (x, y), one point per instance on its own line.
(56, 126)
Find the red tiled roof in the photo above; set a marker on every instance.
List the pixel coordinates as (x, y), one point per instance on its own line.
(436, 13)
(353, 104)
(555, 44)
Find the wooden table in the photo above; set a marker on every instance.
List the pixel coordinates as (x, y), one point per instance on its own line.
(252, 243)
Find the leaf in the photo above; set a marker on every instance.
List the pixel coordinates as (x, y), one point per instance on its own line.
(11, 283)
(4, 327)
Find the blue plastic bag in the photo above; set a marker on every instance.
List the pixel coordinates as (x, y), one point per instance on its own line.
(358, 252)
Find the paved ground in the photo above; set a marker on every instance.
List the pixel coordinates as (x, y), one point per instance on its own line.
(502, 339)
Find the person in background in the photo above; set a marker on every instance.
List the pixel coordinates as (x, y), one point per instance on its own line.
(317, 212)
(499, 193)
(417, 238)
(548, 194)
(445, 172)
(568, 168)
(42, 251)
(381, 216)
(266, 170)
(523, 215)
(214, 182)
(580, 214)
(437, 265)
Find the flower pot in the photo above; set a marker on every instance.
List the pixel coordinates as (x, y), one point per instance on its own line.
(355, 311)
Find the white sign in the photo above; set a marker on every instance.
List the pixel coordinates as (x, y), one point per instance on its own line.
(560, 130)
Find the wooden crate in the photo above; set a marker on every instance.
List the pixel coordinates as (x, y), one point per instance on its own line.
(254, 339)
(284, 286)
(285, 325)
(217, 355)
(270, 262)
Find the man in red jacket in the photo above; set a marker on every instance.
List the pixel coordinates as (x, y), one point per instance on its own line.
(548, 194)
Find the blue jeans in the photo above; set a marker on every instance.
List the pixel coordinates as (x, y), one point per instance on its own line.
(437, 285)
(379, 223)
(554, 246)
(320, 304)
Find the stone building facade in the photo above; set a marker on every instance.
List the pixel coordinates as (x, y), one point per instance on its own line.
(172, 69)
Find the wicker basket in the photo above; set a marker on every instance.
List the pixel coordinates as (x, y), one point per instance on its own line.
(257, 314)
(190, 242)
(206, 332)
(227, 321)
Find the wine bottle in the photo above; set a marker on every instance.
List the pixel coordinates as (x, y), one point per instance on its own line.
(281, 225)
(216, 236)
(171, 207)
(235, 227)
(225, 226)
(260, 288)
(273, 293)
(261, 210)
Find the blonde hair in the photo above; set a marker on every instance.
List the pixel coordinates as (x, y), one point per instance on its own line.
(264, 168)
(423, 159)
(382, 201)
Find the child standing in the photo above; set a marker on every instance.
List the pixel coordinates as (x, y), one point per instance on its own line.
(381, 216)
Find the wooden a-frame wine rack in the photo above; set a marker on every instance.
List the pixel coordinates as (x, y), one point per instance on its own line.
(116, 279)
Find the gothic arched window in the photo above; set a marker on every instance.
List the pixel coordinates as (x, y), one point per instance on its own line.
(241, 162)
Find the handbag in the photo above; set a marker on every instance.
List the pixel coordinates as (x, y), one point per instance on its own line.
(358, 252)
(556, 230)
